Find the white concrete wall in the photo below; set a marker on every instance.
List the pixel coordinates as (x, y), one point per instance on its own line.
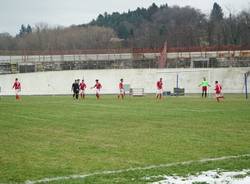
(60, 82)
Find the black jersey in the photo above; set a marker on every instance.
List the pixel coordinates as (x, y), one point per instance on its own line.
(75, 87)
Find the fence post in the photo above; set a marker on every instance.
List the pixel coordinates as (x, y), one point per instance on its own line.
(245, 76)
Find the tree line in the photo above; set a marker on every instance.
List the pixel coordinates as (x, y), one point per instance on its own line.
(142, 28)
(42, 37)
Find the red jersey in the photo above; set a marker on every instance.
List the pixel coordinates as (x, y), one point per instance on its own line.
(159, 85)
(218, 88)
(98, 85)
(17, 85)
(82, 86)
(121, 85)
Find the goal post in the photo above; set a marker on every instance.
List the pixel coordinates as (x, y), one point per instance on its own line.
(245, 82)
(185, 81)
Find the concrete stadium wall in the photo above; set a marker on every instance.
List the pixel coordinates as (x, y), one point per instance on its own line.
(51, 83)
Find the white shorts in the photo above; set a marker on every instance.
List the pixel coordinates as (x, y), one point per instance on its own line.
(122, 91)
(17, 91)
(218, 95)
(97, 91)
(159, 91)
(82, 91)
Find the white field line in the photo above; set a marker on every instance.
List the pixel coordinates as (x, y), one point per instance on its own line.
(209, 177)
(46, 180)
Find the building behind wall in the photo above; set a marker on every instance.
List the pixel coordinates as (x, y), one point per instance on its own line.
(28, 62)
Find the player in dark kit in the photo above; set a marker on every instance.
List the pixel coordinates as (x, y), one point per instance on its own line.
(75, 88)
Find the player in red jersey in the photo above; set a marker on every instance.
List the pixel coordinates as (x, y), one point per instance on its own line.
(218, 91)
(121, 90)
(98, 87)
(17, 87)
(82, 89)
(159, 86)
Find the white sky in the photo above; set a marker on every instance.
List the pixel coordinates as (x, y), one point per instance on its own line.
(14, 13)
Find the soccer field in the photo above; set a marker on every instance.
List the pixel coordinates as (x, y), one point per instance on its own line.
(115, 141)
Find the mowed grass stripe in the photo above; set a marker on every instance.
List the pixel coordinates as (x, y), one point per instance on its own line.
(56, 136)
(100, 173)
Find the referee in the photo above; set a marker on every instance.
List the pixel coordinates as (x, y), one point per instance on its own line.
(75, 88)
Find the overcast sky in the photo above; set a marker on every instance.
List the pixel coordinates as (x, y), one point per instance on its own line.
(14, 13)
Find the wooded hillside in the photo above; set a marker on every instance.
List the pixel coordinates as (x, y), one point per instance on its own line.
(142, 28)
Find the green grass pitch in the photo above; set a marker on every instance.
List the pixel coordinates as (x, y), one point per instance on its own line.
(53, 136)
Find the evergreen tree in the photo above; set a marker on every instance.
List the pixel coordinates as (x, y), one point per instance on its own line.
(216, 29)
(22, 31)
(152, 9)
(216, 13)
(28, 29)
(123, 31)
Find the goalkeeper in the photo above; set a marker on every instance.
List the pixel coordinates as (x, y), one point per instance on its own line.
(204, 86)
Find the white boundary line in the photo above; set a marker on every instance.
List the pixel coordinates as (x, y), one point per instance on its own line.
(46, 180)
